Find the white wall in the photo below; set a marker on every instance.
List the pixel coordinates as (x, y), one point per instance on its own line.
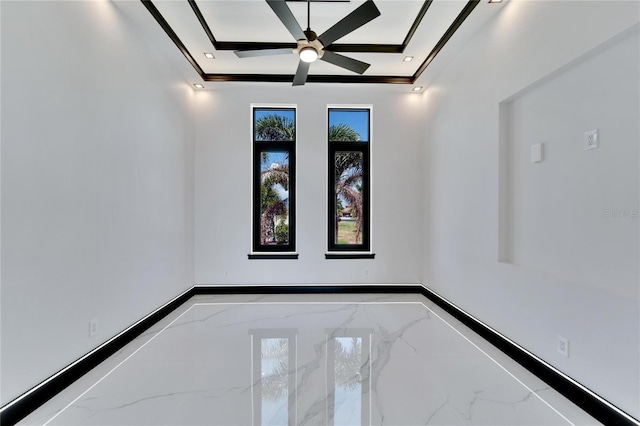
(569, 269)
(97, 184)
(223, 188)
(97, 191)
(585, 203)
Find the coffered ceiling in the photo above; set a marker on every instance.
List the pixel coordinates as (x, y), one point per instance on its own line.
(421, 29)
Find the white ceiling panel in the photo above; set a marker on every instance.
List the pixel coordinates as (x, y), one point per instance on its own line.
(253, 20)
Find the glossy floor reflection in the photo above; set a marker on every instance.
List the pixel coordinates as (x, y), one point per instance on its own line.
(309, 360)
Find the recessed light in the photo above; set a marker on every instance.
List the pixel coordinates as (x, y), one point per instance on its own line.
(417, 88)
(495, 1)
(407, 59)
(209, 56)
(198, 86)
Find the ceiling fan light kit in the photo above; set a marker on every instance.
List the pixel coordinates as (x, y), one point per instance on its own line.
(308, 54)
(311, 47)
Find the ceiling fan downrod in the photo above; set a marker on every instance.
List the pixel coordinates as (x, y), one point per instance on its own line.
(311, 35)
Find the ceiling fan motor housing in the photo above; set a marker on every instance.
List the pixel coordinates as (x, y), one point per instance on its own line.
(310, 34)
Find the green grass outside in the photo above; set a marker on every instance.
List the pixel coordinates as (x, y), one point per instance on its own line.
(347, 233)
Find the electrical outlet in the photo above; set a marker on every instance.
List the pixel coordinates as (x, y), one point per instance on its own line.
(562, 345)
(591, 139)
(93, 327)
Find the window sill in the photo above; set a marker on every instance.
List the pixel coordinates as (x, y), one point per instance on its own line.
(349, 256)
(271, 256)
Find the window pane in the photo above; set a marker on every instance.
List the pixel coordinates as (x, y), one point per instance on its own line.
(348, 381)
(274, 125)
(274, 358)
(274, 198)
(348, 125)
(349, 167)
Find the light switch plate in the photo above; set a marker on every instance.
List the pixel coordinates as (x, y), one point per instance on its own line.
(591, 139)
(536, 153)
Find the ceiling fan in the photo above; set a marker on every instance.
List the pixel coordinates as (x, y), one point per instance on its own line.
(311, 46)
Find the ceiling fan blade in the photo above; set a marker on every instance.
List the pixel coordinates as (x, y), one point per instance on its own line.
(301, 73)
(261, 52)
(365, 13)
(345, 62)
(283, 12)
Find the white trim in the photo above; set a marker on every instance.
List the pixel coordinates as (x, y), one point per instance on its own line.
(305, 303)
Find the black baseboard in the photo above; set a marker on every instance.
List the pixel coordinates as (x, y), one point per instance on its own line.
(309, 289)
(19, 408)
(574, 392)
(22, 406)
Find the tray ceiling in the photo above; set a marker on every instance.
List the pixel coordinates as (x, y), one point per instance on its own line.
(405, 28)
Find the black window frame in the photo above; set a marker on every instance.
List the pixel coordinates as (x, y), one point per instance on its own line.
(349, 251)
(266, 251)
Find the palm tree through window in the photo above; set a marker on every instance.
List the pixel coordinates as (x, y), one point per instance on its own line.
(349, 179)
(274, 140)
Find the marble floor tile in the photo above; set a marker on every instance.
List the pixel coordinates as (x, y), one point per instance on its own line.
(326, 359)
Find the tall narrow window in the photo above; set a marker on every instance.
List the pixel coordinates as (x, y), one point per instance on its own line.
(349, 180)
(274, 145)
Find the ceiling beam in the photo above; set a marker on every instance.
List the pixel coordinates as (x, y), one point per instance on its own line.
(464, 14)
(288, 78)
